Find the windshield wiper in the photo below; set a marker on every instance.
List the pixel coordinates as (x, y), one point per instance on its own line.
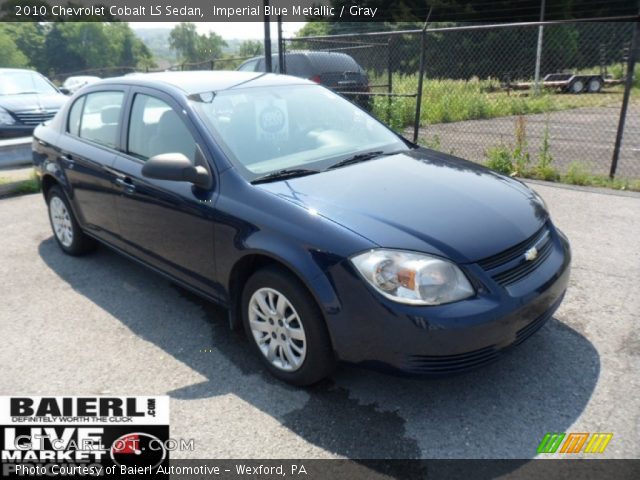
(27, 93)
(360, 157)
(285, 173)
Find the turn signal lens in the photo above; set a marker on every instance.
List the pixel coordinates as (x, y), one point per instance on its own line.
(413, 278)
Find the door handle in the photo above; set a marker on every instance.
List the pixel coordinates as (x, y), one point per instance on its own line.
(70, 162)
(126, 183)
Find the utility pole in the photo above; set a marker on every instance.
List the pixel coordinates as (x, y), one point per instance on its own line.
(267, 38)
(539, 49)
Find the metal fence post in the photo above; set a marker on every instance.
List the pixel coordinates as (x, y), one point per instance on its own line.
(631, 65)
(280, 46)
(539, 50)
(423, 46)
(389, 67)
(267, 39)
(389, 79)
(416, 121)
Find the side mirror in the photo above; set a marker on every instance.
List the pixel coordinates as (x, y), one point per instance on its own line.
(64, 91)
(177, 167)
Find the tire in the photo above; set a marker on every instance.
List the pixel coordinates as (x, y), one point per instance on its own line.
(577, 86)
(296, 338)
(68, 234)
(594, 85)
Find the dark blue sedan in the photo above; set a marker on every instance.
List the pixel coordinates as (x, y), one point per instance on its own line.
(326, 235)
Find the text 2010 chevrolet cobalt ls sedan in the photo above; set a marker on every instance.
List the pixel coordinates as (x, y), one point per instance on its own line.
(326, 235)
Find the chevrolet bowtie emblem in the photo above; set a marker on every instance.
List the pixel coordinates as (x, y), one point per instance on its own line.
(531, 254)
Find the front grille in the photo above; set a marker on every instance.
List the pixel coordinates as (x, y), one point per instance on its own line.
(444, 364)
(511, 266)
(35, 118)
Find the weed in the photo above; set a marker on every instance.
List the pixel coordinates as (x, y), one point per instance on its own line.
(543, 169)
(521, 151)
(577, 174)
(499, 158)
(433, 143)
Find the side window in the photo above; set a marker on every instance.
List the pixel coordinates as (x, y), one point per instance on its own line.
(101, 118)
(156, 128)
(75, 114)
(250, 66)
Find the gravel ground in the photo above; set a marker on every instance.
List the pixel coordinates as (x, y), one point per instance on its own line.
(103, 325)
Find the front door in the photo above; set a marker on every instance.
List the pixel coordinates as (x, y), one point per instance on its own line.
(167, 224)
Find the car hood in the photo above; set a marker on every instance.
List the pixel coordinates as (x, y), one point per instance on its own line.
(423, 201)
(32, 101)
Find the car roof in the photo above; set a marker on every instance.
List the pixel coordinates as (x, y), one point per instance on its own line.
(305, 53)
(191, 82)
(17, 70)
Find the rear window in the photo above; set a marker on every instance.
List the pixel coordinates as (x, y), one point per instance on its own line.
(100, 121)
(249, 66)
(298, 65)
(333, 62)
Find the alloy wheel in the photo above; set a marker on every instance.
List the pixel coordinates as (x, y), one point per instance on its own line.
(277, 329)
(61, 221)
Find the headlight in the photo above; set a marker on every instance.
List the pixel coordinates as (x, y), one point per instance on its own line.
(413, 278)
(5, 118)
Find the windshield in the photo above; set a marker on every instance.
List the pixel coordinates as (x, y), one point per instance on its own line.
(16, 83)
(269, 129)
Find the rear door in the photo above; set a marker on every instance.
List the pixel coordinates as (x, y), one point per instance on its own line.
(87, 152)
(167, 224)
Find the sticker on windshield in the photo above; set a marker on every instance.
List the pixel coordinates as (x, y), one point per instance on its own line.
(272, 121)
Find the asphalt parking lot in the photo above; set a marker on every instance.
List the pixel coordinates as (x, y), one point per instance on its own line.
(103, 325)
(582, 134)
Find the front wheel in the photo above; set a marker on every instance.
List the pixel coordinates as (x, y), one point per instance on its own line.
(576, 87)
(286, 328)
(70, 237)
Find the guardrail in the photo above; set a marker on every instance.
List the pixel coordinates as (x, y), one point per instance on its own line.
(15, 152)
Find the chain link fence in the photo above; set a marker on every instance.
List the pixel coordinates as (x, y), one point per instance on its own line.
(480, 99)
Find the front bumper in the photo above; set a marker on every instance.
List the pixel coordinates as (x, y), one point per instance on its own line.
(14, 131)
(371, 329)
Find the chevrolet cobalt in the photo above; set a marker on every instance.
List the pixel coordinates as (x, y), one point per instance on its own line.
(326, 235)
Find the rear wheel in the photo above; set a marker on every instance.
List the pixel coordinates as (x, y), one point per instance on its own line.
(594, 85)
(71, 239)
(285, 327)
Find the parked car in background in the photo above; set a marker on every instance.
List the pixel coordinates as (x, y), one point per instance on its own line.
(338, 71)
(326, 235)
(72, 84)
(26, 100)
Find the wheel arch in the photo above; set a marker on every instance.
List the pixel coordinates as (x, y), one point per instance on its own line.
(47, 182)
(253, 261)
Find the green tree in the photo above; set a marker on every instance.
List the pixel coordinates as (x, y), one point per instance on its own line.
(10, 55)
(250, 48)
(183, 39)
(104, 47)
(210, 46)
(29, 38)
(192, 47)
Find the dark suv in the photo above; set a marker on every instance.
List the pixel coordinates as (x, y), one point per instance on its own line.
(338, 71)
